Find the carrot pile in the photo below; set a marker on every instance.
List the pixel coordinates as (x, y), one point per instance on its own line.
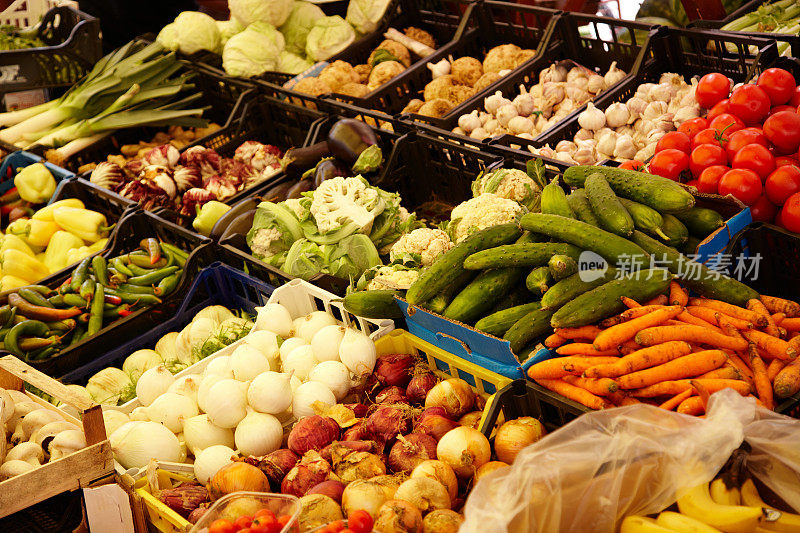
(675, 351)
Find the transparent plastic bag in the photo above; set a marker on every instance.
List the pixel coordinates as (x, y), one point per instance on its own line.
(588, 475)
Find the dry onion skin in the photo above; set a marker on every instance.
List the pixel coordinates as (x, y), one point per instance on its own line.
(398, 516)
(465, 450)
(515, 435)
(490, 467)
(442, 521)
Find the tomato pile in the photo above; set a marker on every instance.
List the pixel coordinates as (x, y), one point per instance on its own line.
(264, 521)
(745, 146)
(357, 522)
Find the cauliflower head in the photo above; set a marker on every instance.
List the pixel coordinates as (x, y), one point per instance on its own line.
(508, 183)
(392, 278)
(346, 204)
(427, 243)
(481, 212)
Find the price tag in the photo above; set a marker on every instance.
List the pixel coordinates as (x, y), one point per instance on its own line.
(25, 99)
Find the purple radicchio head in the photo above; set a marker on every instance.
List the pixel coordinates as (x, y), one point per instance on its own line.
(207, 160)
(194, 198)
(147, 193)
(239, 173)
(133, 168)
(165, 155)
(221, 187)
(187, 178)
(257, 155)
(107, 175)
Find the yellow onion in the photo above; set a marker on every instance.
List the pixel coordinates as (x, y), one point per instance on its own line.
(471, 420)
(454, 394)
(238, 476)
(400, 516)
(438, 471)
(442, 521)
(491, 466)
(424, 493)
(515, 435)
(465, 450)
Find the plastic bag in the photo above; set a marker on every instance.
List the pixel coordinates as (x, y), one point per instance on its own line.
(605, 465)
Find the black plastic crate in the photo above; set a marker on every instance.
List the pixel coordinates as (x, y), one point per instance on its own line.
(73, 47)
(58, 514)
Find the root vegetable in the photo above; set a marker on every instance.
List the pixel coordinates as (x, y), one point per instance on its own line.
(312, 433)
(471, 420)
(438, 471)
(424, 493)
(354, 445)
(317, 510)
(363, 494)
(515, 435)
(465, 450)
(392, 394)
(398, 516)
(258, 434)
(351, 465)
(394, 369)
(277, 464)
(454, 394)
(236, 477)
(409, 451)
(331, 488)
(442, 521)
(388, 421)
(311, 471)
(419, 386)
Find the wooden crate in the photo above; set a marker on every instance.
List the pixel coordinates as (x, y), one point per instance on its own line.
(72, 472)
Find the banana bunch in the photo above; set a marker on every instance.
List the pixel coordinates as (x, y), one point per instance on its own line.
(714, 508)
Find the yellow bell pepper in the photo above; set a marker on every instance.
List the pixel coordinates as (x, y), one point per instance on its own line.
(11, 241)
(46, 213)
(33, 232)
(35, 183)
(55, 257)
(8, 283)
(76, 254)
(89, 225)
(99, 245)
(23, 266)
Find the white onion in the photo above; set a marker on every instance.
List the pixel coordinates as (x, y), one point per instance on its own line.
(274, 318)
(186, 386)
(289, 345)
(220, 366)
(135, 444)
(465, 450)
(334, 375)
(294, 382)
(247, 362)
(307, 394)
(199, 331)
(209, 461)
(226, 403)
(265, 342)
(300, 361)
(139, 414)
(326, 343)
(357, 352)
(114, 419)
(202, 391)
(153, 384)
(258, 434)
(166, 349)
(172, 410)
(140, 362)
(308, 326)
(270, 392)
(199, 434)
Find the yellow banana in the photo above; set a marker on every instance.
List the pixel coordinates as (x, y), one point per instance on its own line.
(642, 524)
(683, 523)
(697, 503)
(722, 495)
(786, 523)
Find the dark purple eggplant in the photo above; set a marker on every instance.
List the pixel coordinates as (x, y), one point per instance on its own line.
(348, 138)
(297, 190)
(240, 225)
(278, 192)
(248, 204)
(298, 160)
(330, 168)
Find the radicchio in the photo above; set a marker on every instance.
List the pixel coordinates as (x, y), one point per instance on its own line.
(134, 167)
(165, 155)
(147, 193)
(205, 159)
(194, 198)
(220, 187)
(107, 175)
(167, 184)
(259, 156)
(240, 174)
(187, 178)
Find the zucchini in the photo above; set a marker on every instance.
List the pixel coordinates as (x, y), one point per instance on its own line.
(644, 218)
(562, 266)
(373, 304)
(579, 203)
(539, 280)
(606, 206)
(498, 323)
(700, 221)
(554, 200)
(612, 248)
(531, 326)
(696, 276)
(604, 301)
(570, 288)
(449, 266)
(483, 293)
(690, 246)
(676, 232)
(519, 255)
(661, 194)
(439, 303)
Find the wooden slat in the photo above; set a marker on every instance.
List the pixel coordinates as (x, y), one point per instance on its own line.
(43, 382)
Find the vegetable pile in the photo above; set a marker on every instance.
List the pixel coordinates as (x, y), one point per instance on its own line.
(782, 16)
(13, 38)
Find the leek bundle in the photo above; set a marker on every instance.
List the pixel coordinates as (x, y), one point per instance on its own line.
(777, 17)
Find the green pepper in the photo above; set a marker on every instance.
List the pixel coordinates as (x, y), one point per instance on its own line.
(37, 312)
(96, 311)
(180, 255)
(3, 333)
(117, 311)
(44, 290)
(73, 300)
(43, 354)
(139, 289)
(139, 271)
(208, 215)
(116, 278)
(29, 344)
(120, 267)
(62, 325)
(34, 297)
(5, 314)
(168, 284)
(100, 269)
(80, 274)
(57, 300)
(87, 289)
(153, 277)
(144, 262)
(150, 245)
(30, 328)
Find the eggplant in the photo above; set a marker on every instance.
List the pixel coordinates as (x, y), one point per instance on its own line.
(297, 190)
(348, 138)
(227, 219)
(327, 169)
(298, 160)
(239, 226)
(278, 192)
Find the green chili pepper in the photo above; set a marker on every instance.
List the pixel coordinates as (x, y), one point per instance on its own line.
(151, 246)
(34, 297)
(87, 290)
(5, 314)
(153, 277)
(168, 284)
(96, 312)
(45, 353)
(57, 300)
(73, 300)
(77, 334)
(180, 255)
(29, 344)
(139, 289)
(116, 278)
(117, 311)
(144, 262)
(37, 312)
(80, 274)
(139, 271)
(100, 269)
(120, 267)
(62, 325)
(44, 290)
(3, 333)
(134, 298)
(30, 328)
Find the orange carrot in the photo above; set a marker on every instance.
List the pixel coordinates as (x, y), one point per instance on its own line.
(778, 318)
(714, 385)
(616, 335)
(702, 391)
(741, 366)
(661, 299)
(630, 303)
(563, 366)
(687, 318)
(677, 295)
(629, 314)
(692, 406)
(771, 328)
(791, 324)
(787, 382)
(724, 372)
(689, 365)
(577, 394)
(621, 399)
(794, 344)
(730, 310)
(554, 341)
(698, 334)
(728, 328)
(775, 366)
(670, 388)
(628, 347)
(760, 379)
(639, 360)
(580, 348)
(708, 314)
(582, 332)
(676, 400)
(601, 387)
(773, 346)
(779, 305)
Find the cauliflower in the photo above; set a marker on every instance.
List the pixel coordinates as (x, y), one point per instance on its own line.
(427, 243)
(297, 208)
(482, 212)
(508, 183)
(391, 278)
(264, 241)
(341, 202)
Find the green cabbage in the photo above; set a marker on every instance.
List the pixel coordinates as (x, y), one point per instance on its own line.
(291, 63)
(196, 31)
(274, 12)
(348, 258)
(364, 15)
(328, 37)
(227, 29)
(299, 23)
(168, 37)
(270, 31)
(250, 53)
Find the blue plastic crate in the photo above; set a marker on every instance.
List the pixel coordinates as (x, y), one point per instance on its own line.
(17, 160)
(217, 284)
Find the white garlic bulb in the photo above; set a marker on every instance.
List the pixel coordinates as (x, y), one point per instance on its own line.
(491, 125)
(566, 146)
(564, 157)
(546, 151)
(607, 143)
(592, 118)
(524, 103)
(617, 115)
(643, 90)
(520, 124)
(625, 147)
(661, 92)
(440, 68)
(654, 110)
(505, 114)
(479, 134)
(596, 83)
(646, 153)
(584, 134)
(584, 156)
(686, 113)
(494, 102)
(613, 75)
(469, 121)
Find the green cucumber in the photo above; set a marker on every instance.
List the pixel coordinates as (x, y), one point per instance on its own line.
(498, 323)
(539, 280)
(483, 293)
(517, 296)
(562, 266)
(696, 276)
(612, 248)
(519, 255)
(605, 300)
(690, 246)
(570, 288)
(528, 237)
(676, 232)
(580, 205)
(531, 326)
(606, 206)
(701, 221)
(663, 195)
(554, 200)
(373, 304)
(644, 218)
(449, 266)
(439, 303)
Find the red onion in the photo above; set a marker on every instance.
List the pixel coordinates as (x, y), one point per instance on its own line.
(311, 471)
(411, 450)
(355, 445)
(391, 394)
(184, 498)
(419, 386)
(331, 488)
(359, 409)
(435, 410)
(357, 432)
(197, 514)
(434, 425)
(277, 464)
(387, 421)
(394, 369)
(313, 433)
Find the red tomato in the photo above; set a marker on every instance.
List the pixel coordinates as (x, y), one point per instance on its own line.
(360, 522)
(750, 103)
(692, 183)
(265, 525)
(669, 163)
(783, 130)
(786, 160)
(722, 107)
(741, 138)
(348, 530)
(756, 158)
(711, 89)
(779, 85)
(222, 526)
(763, 210)
(692, 126)
(265, 513)
(782, 183)
(779, 108)
(709, 136)
(243, 522)
(795, 101)
(633, 164)
(742, 183)
(704, 156)
(245, 530)
(708, 181)
(284, 519)
(726, 123)
(675, 139)
(790, 214)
